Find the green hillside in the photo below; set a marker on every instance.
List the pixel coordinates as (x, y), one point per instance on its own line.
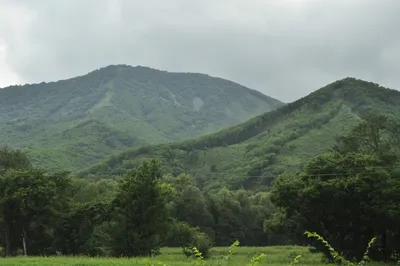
(252, 154)
(74, 123)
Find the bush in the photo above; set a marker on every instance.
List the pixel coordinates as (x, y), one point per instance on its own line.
(202, 242)
(187, 237)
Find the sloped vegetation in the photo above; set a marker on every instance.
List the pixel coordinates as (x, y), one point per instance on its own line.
(329, 167)
(252, 154)
(77, 122)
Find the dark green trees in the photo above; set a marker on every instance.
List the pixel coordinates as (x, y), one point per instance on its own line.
(12, 159)
(30, 202)
(141, 214)
(349, 195)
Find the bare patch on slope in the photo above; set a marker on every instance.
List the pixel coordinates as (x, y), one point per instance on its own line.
(197, 104)
(105, 101)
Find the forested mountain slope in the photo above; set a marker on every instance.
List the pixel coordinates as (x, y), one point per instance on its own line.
(252, 154)
(74, 123)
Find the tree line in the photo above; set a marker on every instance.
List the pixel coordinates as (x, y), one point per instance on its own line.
(347, 195)
(44, 213)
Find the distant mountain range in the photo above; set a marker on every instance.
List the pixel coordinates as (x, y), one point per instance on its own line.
(252, 154)
(74, 123)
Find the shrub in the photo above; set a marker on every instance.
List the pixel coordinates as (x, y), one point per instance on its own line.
(202, 242)
(187, 237)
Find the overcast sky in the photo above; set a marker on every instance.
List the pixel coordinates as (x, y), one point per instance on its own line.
(283, 48)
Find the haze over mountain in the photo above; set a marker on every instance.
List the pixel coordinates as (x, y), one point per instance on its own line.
(252, 154)
(76, 122)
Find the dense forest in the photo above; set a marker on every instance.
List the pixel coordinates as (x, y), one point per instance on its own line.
(251, 155)
(348, 194)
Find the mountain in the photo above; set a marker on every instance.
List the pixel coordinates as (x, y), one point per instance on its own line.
(252, 154)
(74, 123)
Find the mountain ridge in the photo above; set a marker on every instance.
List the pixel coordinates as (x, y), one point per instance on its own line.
(147, 105)
(267, 144)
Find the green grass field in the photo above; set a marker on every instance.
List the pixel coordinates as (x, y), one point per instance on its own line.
(278, 255)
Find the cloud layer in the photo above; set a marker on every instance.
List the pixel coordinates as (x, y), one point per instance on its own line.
(284, 48)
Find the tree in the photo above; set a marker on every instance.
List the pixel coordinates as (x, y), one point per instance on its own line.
(140, 211)
(30, 204)
(376, 134)
(74, 233)
(348, 195)
(12, 159)
(239, 215)
(188, 203)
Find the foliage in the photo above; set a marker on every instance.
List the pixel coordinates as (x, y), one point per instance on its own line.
(360, 176)
(74, 123)
(348, 192)
(223, 215)
(30, 203)
(76, 230)
(336, 256)
(181, 234)
(202, 242)
(257, 260)
(129, 217)
(13, 159)
(140, 212)
(251, 155)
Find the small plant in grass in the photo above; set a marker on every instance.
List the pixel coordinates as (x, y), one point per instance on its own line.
(199, 257)
(231, 251)
(296, 260)
(257, 259)
(337, 257)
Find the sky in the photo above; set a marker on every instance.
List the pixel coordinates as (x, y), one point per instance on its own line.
(283, 48)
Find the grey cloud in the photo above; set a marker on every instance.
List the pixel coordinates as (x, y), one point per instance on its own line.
(284, 48)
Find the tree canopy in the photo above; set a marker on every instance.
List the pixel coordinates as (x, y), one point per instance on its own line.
(348, 195)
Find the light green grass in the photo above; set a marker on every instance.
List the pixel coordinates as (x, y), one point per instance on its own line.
(278, 255)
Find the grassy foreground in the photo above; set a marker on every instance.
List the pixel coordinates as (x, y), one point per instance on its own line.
(278, 255)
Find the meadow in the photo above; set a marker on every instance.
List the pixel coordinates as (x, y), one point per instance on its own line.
(276, 255)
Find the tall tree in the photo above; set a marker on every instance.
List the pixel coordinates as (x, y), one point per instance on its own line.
(188, 203)
(141, 212)
(9, 159)
(30, 203)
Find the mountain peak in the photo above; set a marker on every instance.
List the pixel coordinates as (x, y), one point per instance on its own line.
(122, 67)
(351, 89)
(354, 83)
(132, 106)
